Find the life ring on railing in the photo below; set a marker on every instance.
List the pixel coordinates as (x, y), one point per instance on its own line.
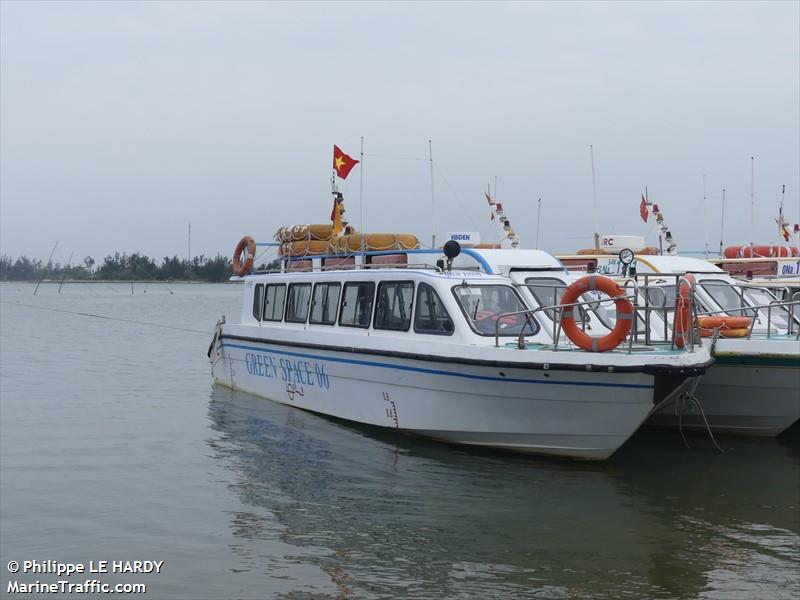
(239, 267)
(683, 311)
(728, 326)
(624, 314)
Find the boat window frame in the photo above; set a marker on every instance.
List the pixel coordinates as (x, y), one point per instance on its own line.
(327, 285)
(523, 306)
(377, 296)
(342, 298)
(292, 286)
(258, 301)
(283, 302)
(418, 303)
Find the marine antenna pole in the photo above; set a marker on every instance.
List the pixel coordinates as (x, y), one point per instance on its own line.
(752, 204)
(594, 203)
(190, 242)
(433, 199)
(722, 222)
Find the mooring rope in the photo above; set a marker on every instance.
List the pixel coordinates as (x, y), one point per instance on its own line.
(96, 316)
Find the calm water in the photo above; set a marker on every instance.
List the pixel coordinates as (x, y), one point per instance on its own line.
(115, 445)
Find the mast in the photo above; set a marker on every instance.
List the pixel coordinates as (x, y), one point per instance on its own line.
(189, 249)
(433, 200)
(722, 222)
(594, 203)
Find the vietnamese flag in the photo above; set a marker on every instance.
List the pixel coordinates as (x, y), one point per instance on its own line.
(643, 210)
(342, 163)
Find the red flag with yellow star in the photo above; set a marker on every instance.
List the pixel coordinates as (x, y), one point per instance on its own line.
(342, 163)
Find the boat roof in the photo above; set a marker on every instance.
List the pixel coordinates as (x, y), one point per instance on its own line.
(504, 260)
(676, 264)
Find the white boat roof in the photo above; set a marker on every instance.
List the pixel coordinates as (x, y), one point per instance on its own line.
(503, 260)
(675, 264)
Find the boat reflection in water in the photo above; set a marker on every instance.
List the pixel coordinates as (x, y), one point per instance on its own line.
(378, 514)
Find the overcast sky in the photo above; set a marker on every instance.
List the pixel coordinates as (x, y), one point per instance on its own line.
(122, 122)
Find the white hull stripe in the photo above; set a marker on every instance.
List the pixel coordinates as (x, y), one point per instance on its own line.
(382, 365)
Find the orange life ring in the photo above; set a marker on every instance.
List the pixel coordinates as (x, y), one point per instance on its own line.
(723, 323)
(624, 314)
(683, 311)
(241, 269)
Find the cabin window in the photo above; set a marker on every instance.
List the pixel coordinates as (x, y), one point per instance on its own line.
(258, 299)
(778, 315)
(394, 304)
(431, 317)
(324, 303)
(486, 308)
(297, 302)
(274, 297)
(357, 301)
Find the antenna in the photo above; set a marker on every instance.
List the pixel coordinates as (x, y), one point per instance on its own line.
(433, 201)
(190, 242)
(538, 220)
(722, 222)
(705, 219)
(594, 202)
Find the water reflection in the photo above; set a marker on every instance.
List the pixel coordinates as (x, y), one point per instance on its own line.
(384, 515)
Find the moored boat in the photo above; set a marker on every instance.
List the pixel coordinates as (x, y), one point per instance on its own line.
(411, 340)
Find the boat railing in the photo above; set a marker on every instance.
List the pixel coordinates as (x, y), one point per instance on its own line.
(557, 310)
(787, 305)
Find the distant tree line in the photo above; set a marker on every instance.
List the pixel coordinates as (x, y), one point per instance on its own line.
(119, 267)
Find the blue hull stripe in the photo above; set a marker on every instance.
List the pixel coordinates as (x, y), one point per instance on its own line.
(368, 363)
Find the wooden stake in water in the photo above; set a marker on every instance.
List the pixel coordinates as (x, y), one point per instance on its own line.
(36, 289)
(69, 261)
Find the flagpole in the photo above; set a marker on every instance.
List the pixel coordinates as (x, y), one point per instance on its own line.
(722, 222)
(594, 203)
(361, 191)
(538, 220)
(433, 200)
(752, 204)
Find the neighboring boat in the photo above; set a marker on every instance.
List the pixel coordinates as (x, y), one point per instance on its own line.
(754, 386)
(442, 347)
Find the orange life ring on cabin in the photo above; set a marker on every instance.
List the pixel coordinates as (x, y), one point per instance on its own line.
(239, 267)
(683, 311)
(772, 251)
(728, 327)
(624, 314)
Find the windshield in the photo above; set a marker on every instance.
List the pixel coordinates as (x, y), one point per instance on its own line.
(779, 315)
(485, 305)
(726, 297)
(547, 292)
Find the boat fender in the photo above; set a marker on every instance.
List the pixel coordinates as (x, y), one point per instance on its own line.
(239, 267)
(624, 314)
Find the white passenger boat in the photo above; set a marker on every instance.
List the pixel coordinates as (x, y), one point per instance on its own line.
(402, 338)
(754, 386)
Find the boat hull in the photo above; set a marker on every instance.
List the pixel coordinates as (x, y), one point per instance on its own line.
(582, 415)
(758, 399)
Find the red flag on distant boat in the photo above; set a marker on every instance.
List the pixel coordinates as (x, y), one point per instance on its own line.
(643, 210)
(342, 163)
